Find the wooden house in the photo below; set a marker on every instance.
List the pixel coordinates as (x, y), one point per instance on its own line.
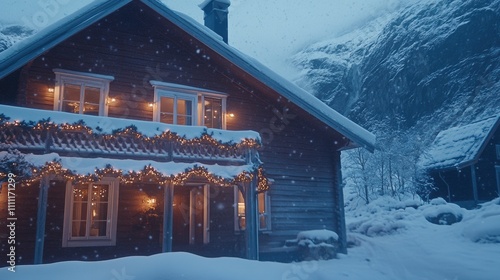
(130, 129)
(464, 162)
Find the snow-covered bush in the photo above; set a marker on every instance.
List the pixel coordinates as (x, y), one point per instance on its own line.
(382, 216)
(485, 227)
(439, 212)
(378, 225)
(317, 244)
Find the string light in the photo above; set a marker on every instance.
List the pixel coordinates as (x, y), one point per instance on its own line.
(149, 173)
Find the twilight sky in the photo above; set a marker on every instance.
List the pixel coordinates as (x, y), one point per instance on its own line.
(270, 31)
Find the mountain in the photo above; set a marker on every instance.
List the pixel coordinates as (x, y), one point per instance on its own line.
(13, 33)
(430, 65)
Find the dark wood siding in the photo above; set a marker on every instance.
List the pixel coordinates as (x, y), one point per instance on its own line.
(26, 201)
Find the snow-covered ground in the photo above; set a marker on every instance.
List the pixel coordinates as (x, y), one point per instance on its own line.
(393, 240)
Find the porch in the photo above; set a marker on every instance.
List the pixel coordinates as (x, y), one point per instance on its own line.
(63, 152)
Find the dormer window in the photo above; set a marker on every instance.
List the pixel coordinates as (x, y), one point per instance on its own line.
(184, 105)
(81, 93)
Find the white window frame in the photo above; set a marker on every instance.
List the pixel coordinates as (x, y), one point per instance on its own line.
(110, 238)
(266, 214)
(176, 96)
(223, 98)
(83, 80)
(162, 89)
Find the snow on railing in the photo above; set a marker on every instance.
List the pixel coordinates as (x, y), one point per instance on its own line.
(78, 138)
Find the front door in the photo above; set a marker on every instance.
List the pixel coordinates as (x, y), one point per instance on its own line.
(191, 216)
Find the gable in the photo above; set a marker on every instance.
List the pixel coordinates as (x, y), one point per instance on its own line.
(207, 46)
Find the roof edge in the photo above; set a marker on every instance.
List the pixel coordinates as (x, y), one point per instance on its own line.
(20, 53)
(320, 110)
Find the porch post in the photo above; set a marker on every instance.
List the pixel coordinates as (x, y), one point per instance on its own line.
(474, 183)
(41, 218)
(168, 210)
(339, 202)
(251, 217)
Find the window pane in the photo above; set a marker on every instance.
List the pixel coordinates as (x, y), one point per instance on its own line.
(262, 222)
(71, 92)
(71, 98)
(78, 229)
(91, 101)
(98, 228)
(100, 192)
(213, 112)
(80, 211)
(167, 110)
(184, 112)
(262, 203)
(80, 203)
(80, 193)
(99, 210)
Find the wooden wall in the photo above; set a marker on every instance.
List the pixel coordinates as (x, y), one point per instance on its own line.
(135, 45)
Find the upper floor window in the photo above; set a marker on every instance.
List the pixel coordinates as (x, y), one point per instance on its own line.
(175, 108)
(81, 93)
(184, 105)
(90, 214)
(498, 151)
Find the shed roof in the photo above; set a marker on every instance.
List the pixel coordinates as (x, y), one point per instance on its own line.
(21, 53)
(460, 146)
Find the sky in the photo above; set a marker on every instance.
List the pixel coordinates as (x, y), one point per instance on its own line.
(269, 31)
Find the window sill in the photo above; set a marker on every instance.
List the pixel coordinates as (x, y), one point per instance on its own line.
(89, 243)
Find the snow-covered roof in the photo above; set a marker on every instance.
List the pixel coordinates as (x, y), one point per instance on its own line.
(460, 146)
(26, 50)
(83, 166)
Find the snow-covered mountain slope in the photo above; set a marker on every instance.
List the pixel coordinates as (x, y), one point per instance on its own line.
(13, 33)
(433, 62)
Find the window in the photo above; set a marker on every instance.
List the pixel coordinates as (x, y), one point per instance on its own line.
(184, 105)
(212, 112)
(176, 108)
(263, 205)
(81, 93)
(498, 151)
(90, 214)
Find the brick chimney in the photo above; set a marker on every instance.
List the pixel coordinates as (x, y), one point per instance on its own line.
(216, 16)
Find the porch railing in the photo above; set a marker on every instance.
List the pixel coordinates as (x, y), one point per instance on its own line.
(74, 142)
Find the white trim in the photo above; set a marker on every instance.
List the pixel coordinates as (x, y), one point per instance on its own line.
(112, 216)
(78, 75)
(185, 88)
(83, 80)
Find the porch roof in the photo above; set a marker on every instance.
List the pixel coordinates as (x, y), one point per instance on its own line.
(88, 166)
